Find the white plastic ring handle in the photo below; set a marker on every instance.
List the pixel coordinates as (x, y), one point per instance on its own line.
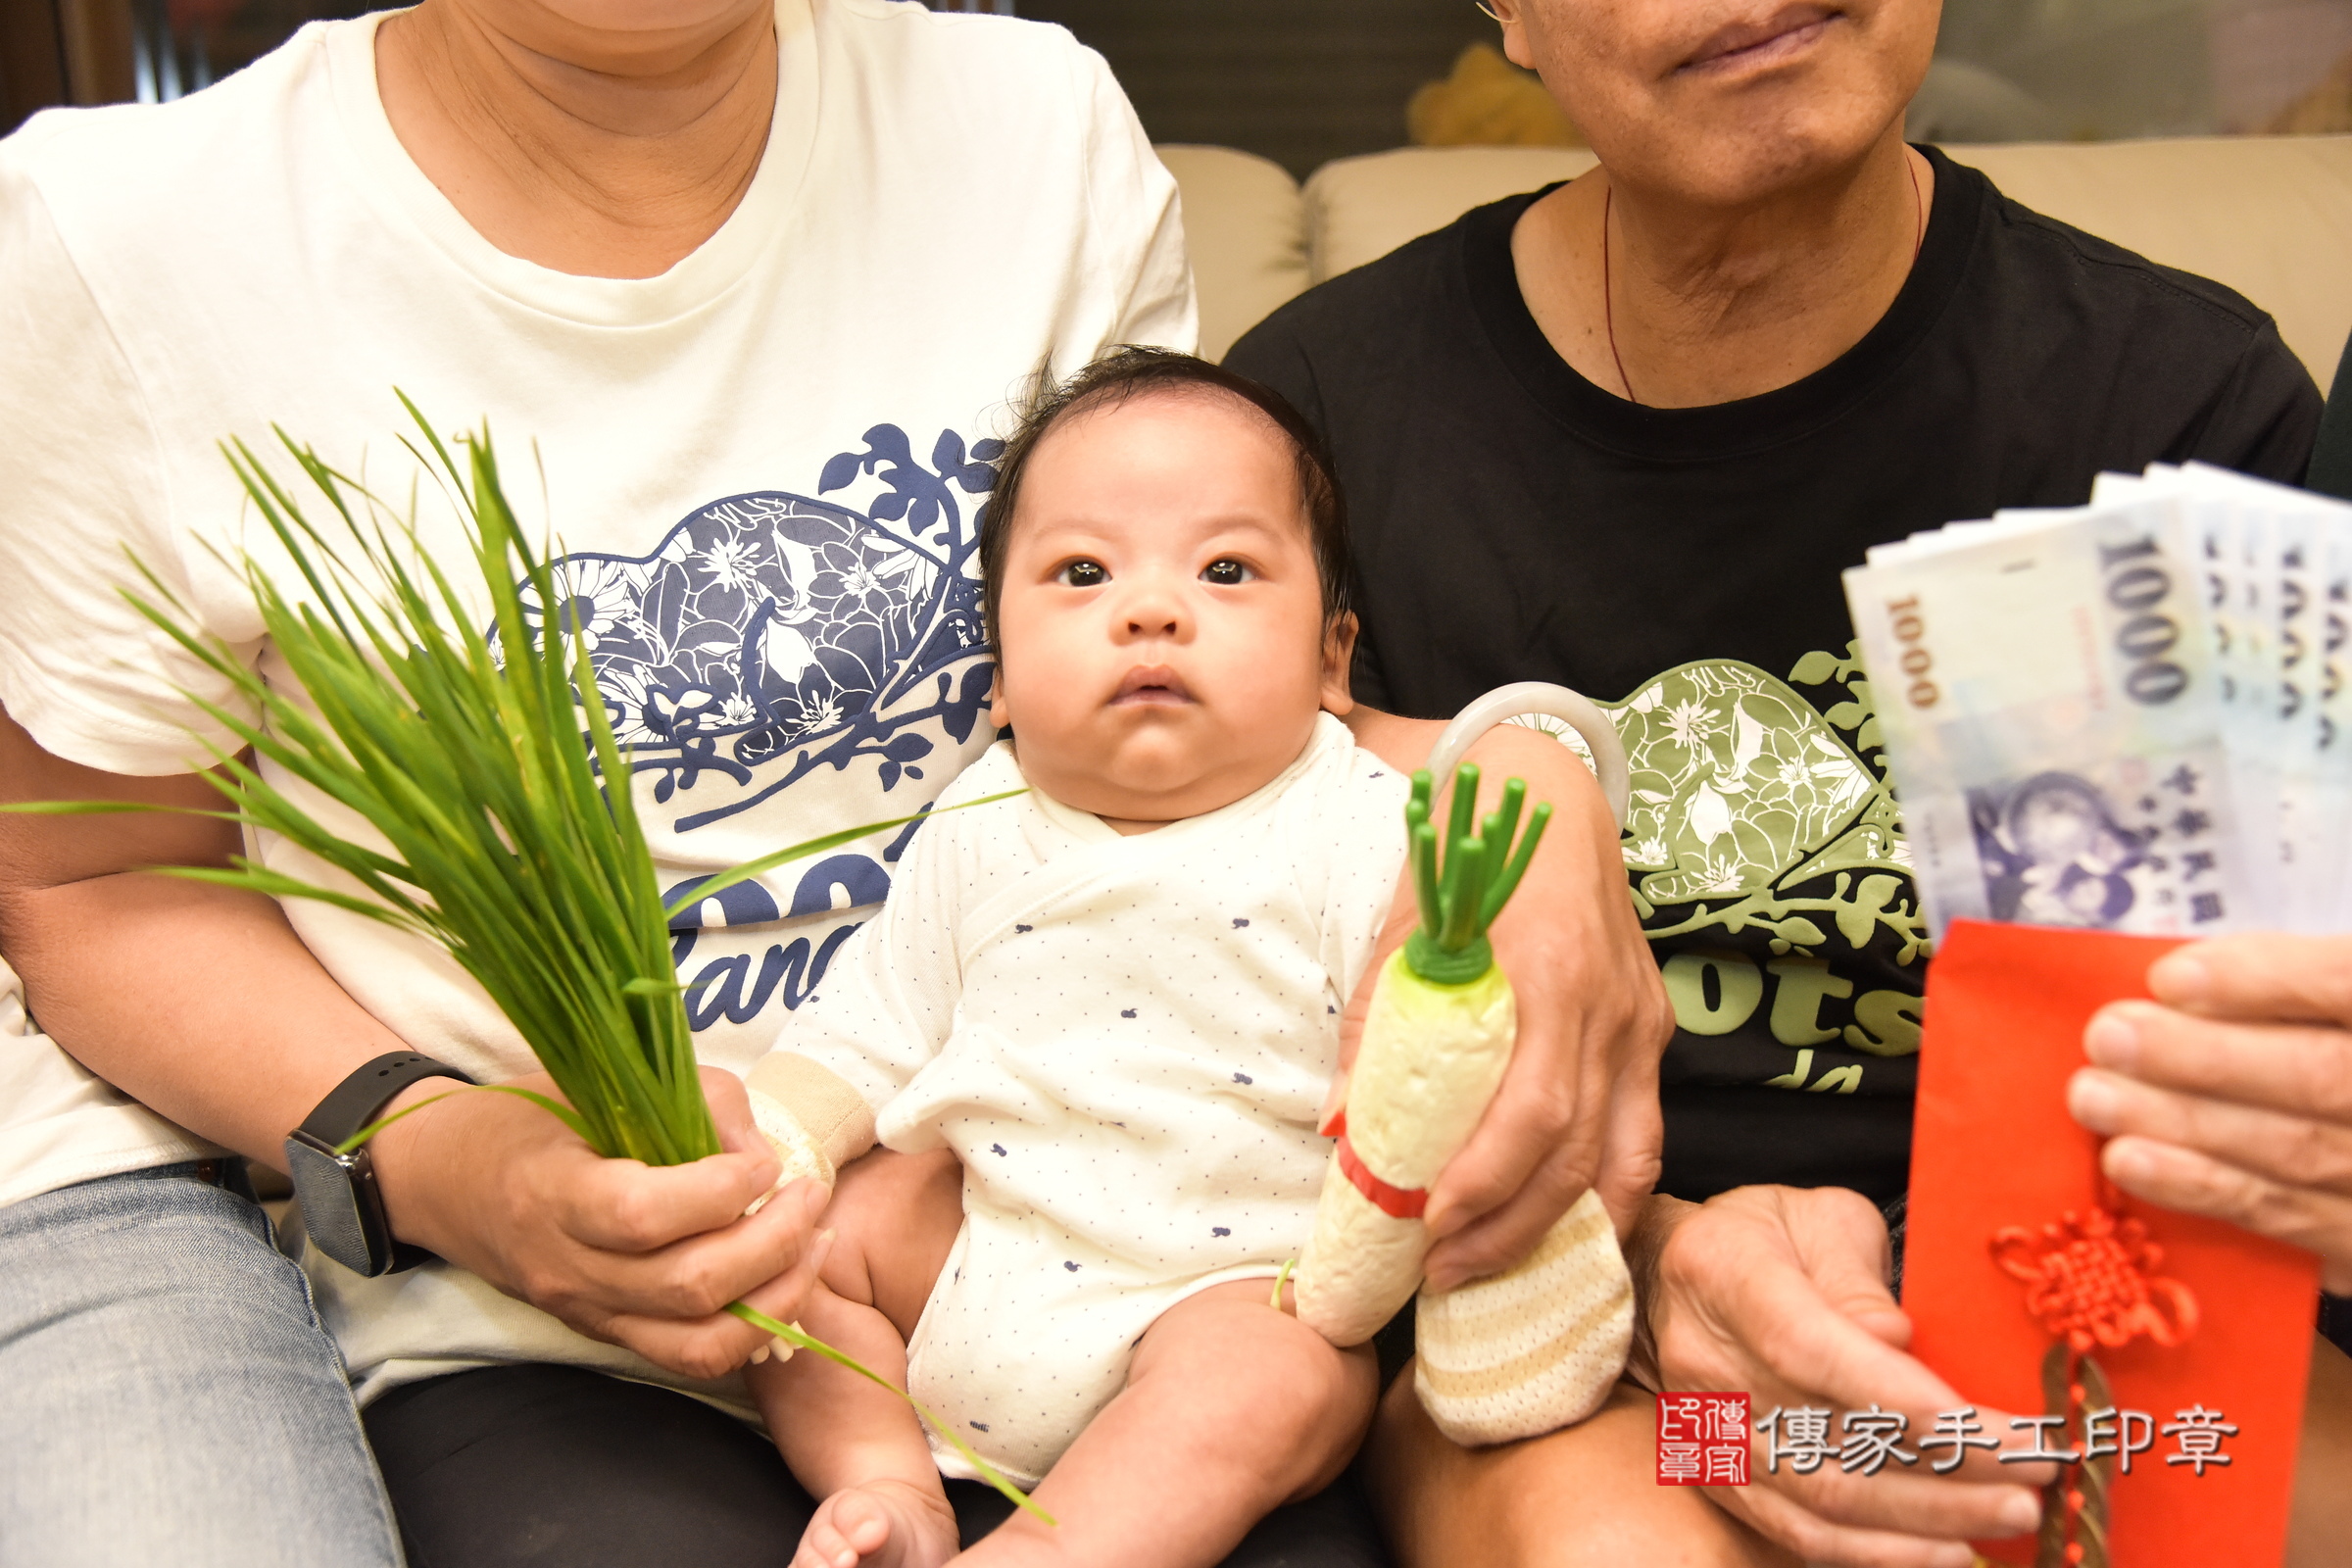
(1579, 713)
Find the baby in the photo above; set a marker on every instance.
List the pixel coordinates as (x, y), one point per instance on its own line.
(1116, 999)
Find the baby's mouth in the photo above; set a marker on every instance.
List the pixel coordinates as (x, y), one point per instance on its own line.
(1151, 683)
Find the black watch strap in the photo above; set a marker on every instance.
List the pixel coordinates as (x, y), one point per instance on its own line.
(355, 1102)
(343, 1209)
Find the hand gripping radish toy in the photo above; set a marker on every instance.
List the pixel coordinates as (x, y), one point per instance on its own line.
(1539, 1345)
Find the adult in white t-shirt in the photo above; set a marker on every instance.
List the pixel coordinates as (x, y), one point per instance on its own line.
(759, 317)
(757, 284)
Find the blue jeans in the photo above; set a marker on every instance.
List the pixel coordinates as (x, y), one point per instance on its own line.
(167, 1394)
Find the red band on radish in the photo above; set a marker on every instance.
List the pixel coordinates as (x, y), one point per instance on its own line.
(1394, 1201)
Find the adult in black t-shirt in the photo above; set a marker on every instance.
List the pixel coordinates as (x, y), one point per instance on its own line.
(1512, 520)
(1624, 435)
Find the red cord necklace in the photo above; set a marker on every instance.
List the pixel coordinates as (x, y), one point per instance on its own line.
(1608, 305)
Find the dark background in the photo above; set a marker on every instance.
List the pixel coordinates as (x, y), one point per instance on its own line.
(1299, 82)
(1302, 81)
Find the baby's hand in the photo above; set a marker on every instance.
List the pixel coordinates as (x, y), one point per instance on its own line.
(889, 1523)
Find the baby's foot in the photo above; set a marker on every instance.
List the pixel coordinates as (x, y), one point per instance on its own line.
(887, 1524)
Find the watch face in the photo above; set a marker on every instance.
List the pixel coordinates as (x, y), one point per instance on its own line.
(330, 1206)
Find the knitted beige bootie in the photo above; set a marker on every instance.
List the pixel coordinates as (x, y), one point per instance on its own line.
(812, 1117)
(1531, 1350)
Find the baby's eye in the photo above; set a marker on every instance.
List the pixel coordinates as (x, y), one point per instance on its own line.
(1227, 572)
(1083, 575)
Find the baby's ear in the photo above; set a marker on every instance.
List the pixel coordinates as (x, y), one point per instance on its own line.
(1000, 711)
(1339, 656)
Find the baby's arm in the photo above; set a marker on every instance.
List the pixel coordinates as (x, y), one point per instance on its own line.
(879, 1011)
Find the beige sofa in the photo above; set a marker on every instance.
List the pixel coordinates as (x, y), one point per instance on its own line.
(2270, 217)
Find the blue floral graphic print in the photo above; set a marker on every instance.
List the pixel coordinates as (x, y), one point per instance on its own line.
(773, 635)
(771, 630)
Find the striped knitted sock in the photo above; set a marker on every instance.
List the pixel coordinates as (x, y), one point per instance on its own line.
(1535, 1349)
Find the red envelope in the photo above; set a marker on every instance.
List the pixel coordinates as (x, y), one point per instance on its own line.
(1994, 1148)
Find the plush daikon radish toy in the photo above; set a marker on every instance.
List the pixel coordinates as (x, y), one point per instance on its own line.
(1537, 1346)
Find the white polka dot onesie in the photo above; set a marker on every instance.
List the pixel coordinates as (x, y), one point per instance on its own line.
(1126, 1040)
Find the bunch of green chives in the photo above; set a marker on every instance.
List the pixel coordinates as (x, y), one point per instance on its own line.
(511, 844)
(491, 771)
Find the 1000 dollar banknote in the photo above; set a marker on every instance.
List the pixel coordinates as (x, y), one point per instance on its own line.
(2046, 685)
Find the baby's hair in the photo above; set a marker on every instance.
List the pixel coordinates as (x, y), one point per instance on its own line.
(1129, 373)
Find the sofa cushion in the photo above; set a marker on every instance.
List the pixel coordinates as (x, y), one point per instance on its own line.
(1247, 234)
(2269, 215)
(1360, 208)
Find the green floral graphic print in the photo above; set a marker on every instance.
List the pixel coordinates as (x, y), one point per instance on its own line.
(1744, 791)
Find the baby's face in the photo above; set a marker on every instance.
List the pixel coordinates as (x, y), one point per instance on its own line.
(1164, 650)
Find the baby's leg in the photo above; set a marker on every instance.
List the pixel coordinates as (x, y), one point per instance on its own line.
(1231, 1409)
(858, 1447)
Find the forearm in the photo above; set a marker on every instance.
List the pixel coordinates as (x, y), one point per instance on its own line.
(199, 1001)
(1579, 1106)
(203, 1004)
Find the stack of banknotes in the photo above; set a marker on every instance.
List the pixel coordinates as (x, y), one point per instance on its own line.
(2125, 716)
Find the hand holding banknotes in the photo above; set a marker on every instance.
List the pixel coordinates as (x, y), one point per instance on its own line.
(2230, 1096)
(2134, 716)
(1782, 1291)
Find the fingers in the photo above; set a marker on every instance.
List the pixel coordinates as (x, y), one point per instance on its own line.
(2297, 1148)
(1817, 1540)
(702, 1273)
(716, 1342)
(2193, 1183)
(2246, 1122)
(2290, 1067)
(1783, 1292)
(2260, 975)
(1632, 1153)
(620, 1205)
(1590, 1028)
(1504, 1235)
(1539, 1144)
(1841, 1242)
(861, 1525)
(1914, 1499)
(783, 1296)
(703, 1348)
(1804, 1342)
(1530, 1125)
(731, 1113)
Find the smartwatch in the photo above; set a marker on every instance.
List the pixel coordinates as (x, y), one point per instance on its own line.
(342, 1207)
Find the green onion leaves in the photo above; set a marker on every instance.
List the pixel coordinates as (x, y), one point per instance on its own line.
(1461, 895)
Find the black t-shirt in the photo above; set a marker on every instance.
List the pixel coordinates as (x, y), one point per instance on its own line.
(1514, 521)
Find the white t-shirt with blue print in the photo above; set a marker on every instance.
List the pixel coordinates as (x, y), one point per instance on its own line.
(761, 468)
